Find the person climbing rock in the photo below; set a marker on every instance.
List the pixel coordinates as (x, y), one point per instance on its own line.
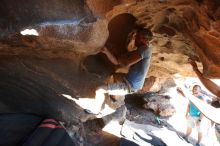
(193, 115)
(138, 62)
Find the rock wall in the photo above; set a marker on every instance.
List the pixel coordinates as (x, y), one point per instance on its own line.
(17, 15)
(181, 29)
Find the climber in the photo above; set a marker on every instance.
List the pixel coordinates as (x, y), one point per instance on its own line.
(138, 62)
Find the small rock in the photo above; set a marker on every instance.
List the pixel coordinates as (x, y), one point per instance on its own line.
(160, 105)
(119, 115)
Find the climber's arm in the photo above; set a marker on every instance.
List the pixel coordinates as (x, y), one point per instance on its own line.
(211, 86)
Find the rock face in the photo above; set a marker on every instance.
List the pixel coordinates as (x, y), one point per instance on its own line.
(17, 15)
(160, 105)
(182, 28)
(44, 74)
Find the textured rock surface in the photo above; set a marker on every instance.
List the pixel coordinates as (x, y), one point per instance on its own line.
(182, 29)
(160, 105)
(17, 15)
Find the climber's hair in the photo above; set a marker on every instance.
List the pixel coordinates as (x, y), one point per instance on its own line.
(196, 86)
(146, 32)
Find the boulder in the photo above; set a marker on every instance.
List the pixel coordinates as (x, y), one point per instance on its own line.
(160, 105)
